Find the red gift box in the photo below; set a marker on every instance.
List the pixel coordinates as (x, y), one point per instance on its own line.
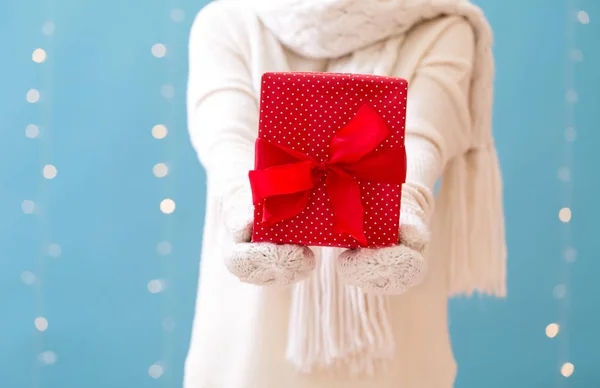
(330, 159)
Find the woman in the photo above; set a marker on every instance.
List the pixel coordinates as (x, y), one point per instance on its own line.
(349, 319)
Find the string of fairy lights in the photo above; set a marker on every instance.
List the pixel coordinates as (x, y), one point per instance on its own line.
(167, 205)
(40, 95)
(560, 329)
(41, 132)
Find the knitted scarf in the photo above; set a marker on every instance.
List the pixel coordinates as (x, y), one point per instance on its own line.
(335, 324)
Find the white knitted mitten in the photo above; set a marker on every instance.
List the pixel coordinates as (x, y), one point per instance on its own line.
(270, 264)
(261, 263)
(392, 270)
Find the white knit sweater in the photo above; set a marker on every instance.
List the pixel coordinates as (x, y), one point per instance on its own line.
(240, 331)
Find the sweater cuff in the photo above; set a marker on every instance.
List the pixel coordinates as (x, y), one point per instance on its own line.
(238, 213)
(424, 163)
(414, 218)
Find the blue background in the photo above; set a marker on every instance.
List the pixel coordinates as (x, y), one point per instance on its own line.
(102, 91)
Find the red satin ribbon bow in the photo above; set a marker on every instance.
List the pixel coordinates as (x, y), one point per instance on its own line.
(284, 178)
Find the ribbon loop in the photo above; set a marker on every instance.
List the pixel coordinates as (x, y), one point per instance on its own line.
(365, 132)
(283, 177)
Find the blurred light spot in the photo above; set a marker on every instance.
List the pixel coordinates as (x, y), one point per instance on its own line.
(159, 131)
(571, 96)
(160, 170)
(177, 15)
(159, 50)
(167, 206)
(576, 55)
(564, 174)
(48, 28)
(570, 134)
(583, 17)
(41, 323)
(39, 55)
(48, 357)
(49, 171)
(28, 206)
(163, 247)
(156, 285)
(32, 131)
(155, 371)
(33, 96)
(167, 91)
(564, 214)
(570, 254)
(552, 330)
(559, 291)
(168, 324)
(54, 250)
(28, 277)
(567, 369)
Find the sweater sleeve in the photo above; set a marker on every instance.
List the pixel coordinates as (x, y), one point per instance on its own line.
(438, 121)
(223, 114)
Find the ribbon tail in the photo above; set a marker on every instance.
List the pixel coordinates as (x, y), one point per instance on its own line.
(345, 199)
(280, 207)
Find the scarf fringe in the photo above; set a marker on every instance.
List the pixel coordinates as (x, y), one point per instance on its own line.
(470, 207)
(335, 327)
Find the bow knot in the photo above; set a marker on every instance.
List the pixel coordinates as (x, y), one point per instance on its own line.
(321, 167)
(283, 178)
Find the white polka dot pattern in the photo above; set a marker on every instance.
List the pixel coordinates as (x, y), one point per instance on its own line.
(303, 111)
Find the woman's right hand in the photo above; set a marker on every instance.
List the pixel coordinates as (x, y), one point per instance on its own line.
(270, 264)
